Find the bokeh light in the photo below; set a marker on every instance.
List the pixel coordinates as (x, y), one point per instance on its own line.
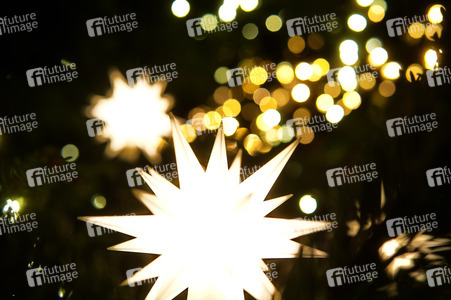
(414, 72)
(300, 92)
(430, 59)
(303, 71)
(378, 56)
(364, 3)
(376, 13)
(250, 31)
(391, 70)
(221, 75)
(227, 12)
(230, 125)
(258, 75)
(180, 8)
(323, 102)
(387, 88)
(98, 201)
(212, 120)
(372, 44)
(296, 44)
(435, 14)
(307, 204)
(273, 23)
(357, 22)
(335, 113)
(209, 22)
(248, 5)
(284, 72)
(351, 100)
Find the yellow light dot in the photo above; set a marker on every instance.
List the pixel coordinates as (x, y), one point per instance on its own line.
(98, 201)
(212, 120)
(231, 108)
(249, 87)
(296, 44)
(391, 70)
(221, 94)
(209, 22)
(282, 96)
(352, 100)
(307, 204)
(252, 143)
(335, 113)
(346, 110)
(272, 136)
(323, 64)
(248, 5)
(189, 132)
(260, 94)
(271, 117)
(284, 73)
(435, 14)
(230, 125)
(357, 22)
(227, 12)
(378, 56)
(349, 46)
(70, 153)
(332, 89)
(317, 73)
(303, 71)
(258, 75)
(376, 13)
(349, 86)
(433, 31)
(220, 75)
(387, 88)
(261, 124)
(273, 23)
(268, 103)
(250, 31)
(323, 102)
(430, 59)
(372, 44)
(300, 92)
(364, 3)
(346, 75)
(414, 72)
(285, 133)
(349, 52)
(367, 81)
(302, 113)
(180, 8)
(315, 41)
(305, 134)
(416, 30)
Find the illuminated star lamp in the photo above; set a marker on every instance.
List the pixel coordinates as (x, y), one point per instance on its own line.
(135, 117)
(211, 233)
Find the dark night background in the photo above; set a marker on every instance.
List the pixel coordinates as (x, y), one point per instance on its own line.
(162, 38)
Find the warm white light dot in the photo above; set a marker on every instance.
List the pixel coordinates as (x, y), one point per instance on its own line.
(180, 8)
(227, 13)
(364, 3)
(300, 92)
(357, 22)
(335, 113)
(378, 56)
(307, 204)
(248, 5)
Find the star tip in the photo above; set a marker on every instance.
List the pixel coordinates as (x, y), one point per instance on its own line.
(85, 219)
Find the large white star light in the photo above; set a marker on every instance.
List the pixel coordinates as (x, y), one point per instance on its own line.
(211, 233)
(136, 118)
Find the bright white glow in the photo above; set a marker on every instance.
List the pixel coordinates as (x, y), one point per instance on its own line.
(230, 125)
(349, 46)
(430, 59)
(271, 117)
(435, 14)
(303, 71)
(346, 75)
(378, 56)
(227, 13)
(136, 118)
(307, 204)
(357, 22)
(248, 5)
(211, 233)
(11, 207)
(349, 58)
(364, 3)
(391, 70)
(300, 92)
(335, 113)
(180, 8)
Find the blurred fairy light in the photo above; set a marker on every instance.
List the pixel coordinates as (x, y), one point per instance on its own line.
(230, 125)
(11, 207)
(205, 245)
(209, 22)
(273, 23)
(372, 44)
(300, 92)
(227, 12)
(378, 56)
(70, 153)
(212, 120)
(285, 73)
(180, 8)
(349, 52)
(376, 13)
(323, 65)
(248, 5)
(303, 71)
(352, 100)
(296, 44)
(307, 204)
(232, 108)
(335, 113)
(357, 22)
(414, 72)
(258, 75)
(430, 59)
(323, 102)
(250, 31)
(435, 14)
(136, 118)
(364, 3)
(391, 70)
(387, 88)
(271, 117)
(347, 78)
(98, 201)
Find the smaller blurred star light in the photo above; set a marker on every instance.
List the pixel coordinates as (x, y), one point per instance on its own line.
(136, 118)
(307, 204)
(435, 15)
(11, 209)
